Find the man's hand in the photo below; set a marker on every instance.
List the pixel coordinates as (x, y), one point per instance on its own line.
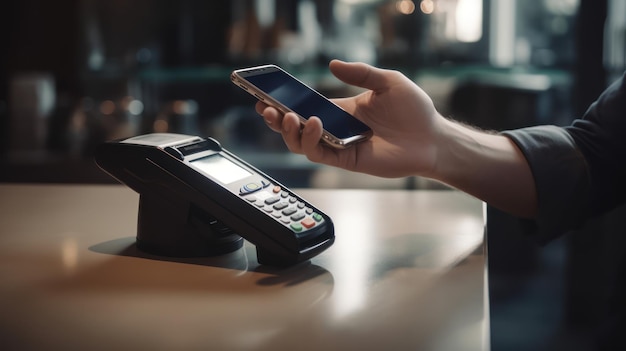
(402, 117)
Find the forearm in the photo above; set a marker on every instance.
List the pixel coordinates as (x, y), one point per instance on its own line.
(485, 165)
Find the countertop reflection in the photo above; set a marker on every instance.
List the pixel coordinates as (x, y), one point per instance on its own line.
(407, 271)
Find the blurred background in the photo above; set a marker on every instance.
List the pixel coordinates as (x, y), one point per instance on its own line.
(74, 73)
(79, 72)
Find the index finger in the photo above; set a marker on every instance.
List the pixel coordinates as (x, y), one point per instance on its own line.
(260, 107)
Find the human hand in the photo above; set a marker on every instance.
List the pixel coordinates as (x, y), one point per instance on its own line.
(403, 119)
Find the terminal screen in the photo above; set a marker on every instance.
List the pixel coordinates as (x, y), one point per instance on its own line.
(221, 168)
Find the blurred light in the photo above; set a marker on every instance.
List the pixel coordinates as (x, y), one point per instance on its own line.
(502, 34)
(69, 254)
(358, 2)
(185, 107)
(107, 107)
(353, 270)
(78, 120)
(469, 20)
(405, 7)
(126, 101)
(265, 10)
(180, 107)
(135, 107)
(562, 7)
(95, 60)
(160, 126)
(343, 12)
(192, 107)
(296, 57)
(427, 6)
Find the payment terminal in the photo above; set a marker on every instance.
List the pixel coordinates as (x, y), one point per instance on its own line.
(199, 199)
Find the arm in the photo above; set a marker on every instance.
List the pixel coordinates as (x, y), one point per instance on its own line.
(412, 138)
(488, 166)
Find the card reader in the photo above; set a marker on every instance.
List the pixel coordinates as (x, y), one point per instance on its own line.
(199, 199)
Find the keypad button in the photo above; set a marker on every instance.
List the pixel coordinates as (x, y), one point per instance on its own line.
(317, 217)
(297, 216)
(281, 205)
(272, 200)
(308, 223)
(297, 227)
(252, 186)
(289, 211)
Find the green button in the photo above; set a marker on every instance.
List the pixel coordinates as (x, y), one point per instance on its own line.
(252, 186)
(297, 227)
(317, 217)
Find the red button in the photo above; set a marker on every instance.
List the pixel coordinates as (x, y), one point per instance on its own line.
(308, 223)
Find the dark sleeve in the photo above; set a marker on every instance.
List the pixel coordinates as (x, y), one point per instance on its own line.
(579, 170)
(561, 179)
(601, 137)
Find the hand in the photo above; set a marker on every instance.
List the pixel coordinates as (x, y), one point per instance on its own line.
(411, 138)
(402, 117)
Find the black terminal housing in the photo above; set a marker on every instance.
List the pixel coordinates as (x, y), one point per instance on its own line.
(190, 211)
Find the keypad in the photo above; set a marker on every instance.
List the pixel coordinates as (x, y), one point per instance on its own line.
(285, 207)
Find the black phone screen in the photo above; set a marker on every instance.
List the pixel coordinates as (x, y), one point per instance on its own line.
(307, 102)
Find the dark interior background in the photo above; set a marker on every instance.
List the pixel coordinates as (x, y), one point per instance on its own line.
(74, 73)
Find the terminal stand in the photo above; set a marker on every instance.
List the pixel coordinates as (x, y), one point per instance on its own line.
(177, 228)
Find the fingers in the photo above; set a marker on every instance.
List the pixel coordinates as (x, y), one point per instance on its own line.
(361, 74)
(271, 116)
(310, 139)
(299, 139)
(287, 125)
(260, 107)
(290, 130)
(303, 139)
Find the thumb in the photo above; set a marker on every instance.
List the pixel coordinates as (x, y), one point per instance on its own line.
(360, 74)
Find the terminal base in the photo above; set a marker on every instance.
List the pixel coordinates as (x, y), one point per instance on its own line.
(170, 228)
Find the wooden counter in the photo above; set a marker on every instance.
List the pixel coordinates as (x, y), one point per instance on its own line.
(407, 272)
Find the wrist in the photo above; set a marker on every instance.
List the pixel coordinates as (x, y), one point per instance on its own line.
(486, 165)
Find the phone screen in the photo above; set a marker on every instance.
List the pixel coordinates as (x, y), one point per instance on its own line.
(307, 102)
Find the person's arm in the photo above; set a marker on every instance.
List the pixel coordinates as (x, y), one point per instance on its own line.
(486, 165)
(412, 138)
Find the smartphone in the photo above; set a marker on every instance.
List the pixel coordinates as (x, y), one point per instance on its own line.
(275, 87)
